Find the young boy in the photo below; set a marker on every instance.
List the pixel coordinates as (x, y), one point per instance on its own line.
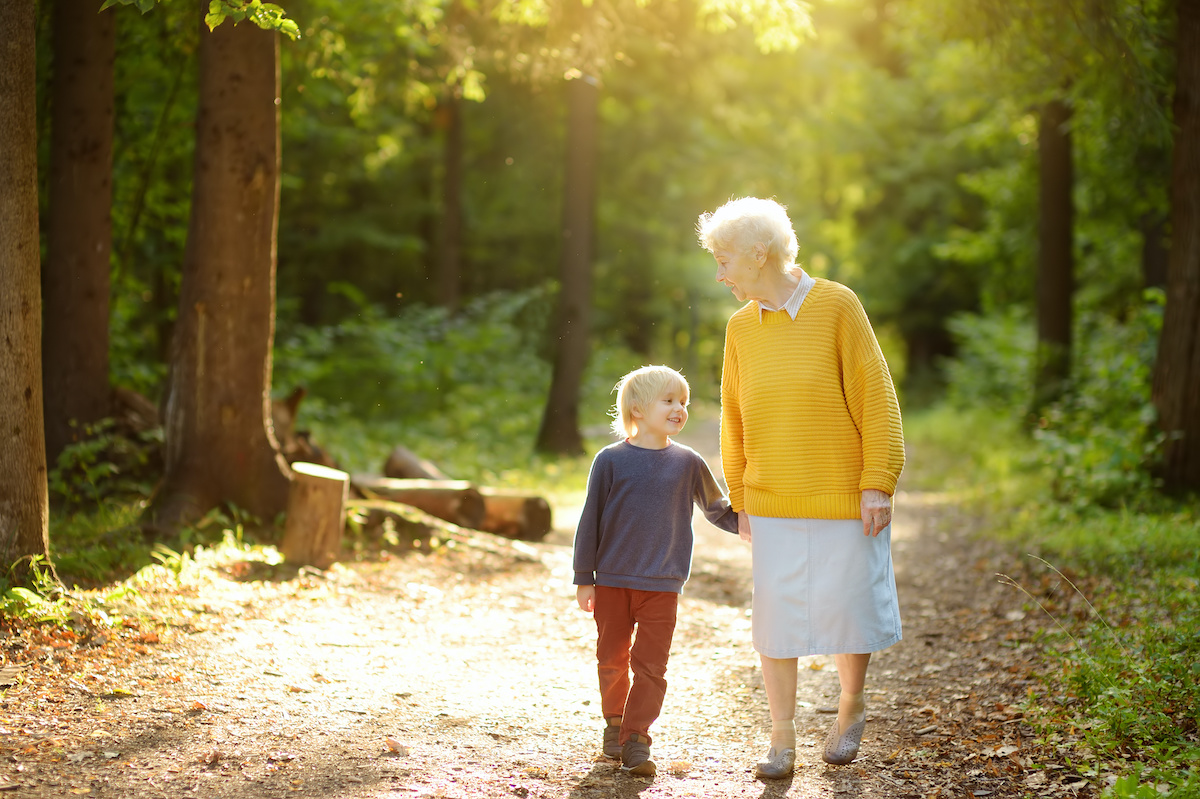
(633, 552)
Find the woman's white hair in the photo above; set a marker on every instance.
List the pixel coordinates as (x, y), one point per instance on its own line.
(741, 224)
(638, 389)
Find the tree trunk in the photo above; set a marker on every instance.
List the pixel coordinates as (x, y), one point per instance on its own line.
(1177, 370)
(559, 433)
(75, 282)
(1155, 252)
(219, 443)
(24, 499)
(1055, 280)
(449, 259)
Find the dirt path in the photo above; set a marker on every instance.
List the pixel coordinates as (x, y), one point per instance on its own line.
(468, 672)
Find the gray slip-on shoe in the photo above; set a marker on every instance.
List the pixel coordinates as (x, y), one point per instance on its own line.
(778, 764)
(842, 749)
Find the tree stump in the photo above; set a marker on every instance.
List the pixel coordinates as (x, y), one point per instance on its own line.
(453, 500)
(523, 517)
(312, 534)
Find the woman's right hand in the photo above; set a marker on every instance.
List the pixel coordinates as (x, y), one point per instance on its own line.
(743, 526)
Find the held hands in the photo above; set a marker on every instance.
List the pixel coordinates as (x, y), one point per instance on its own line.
(585, 595)
(876, 511)
(743, 525)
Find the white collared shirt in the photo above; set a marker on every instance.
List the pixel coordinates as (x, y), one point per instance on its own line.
(792, 306)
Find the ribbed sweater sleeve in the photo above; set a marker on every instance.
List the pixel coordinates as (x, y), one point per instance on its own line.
(809, 417)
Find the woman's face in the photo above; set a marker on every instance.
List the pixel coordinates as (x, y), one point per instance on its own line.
(739, 270)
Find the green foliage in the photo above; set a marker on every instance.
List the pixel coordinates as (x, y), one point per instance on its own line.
(1127, 679)
(265, 15)
(993, 361)
(1100, 443)
(465, 390)
(42, 601)
(106, 463)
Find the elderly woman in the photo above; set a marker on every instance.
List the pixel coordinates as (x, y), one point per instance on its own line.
(812, 447)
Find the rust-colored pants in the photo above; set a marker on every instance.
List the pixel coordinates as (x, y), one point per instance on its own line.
(618, 611)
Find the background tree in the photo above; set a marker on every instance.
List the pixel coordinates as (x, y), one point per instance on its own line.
(1056, 255)
(76, 273)
(24, 499)
(1177, 373)
(219, 443)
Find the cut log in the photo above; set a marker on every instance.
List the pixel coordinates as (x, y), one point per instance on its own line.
(453, 500)
(523, 517)
(316, 515)
(403, 463)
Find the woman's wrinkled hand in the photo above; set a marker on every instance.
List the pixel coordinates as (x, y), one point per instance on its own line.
(743, 525)
(876, 511)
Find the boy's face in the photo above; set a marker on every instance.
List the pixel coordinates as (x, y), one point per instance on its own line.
(666, 416)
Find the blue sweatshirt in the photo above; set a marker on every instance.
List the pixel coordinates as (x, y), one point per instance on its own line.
(636, 527)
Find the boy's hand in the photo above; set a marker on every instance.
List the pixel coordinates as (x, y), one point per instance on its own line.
(743, 525)
(585, 595)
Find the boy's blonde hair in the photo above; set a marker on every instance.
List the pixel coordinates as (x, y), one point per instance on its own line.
(639, 388)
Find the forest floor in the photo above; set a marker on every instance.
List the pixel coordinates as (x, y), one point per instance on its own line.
(466, 671)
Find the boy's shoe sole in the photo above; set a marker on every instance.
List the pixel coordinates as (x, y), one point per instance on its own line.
(643, 769)
(635, 757)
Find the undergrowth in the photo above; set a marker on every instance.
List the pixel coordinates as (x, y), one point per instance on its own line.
(1123, 602)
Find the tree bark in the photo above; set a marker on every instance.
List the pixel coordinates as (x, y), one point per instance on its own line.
(1055, 277)
(220, 446)
(24, 498)
(449, 281)
(75, 281)
(559, 432)
(1176, 388)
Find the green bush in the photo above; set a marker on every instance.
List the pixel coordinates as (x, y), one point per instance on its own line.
(1100, 443)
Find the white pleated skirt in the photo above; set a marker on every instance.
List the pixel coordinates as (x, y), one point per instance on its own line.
(821, 587)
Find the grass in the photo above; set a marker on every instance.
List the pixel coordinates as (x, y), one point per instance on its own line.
(1128, 676)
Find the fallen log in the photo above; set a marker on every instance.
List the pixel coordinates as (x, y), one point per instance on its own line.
(403, 463)
(454, 501)
(523, 517)
(312, 532)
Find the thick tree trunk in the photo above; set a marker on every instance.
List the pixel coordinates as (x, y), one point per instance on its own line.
(449, 281)
(559, 433)
(1177, 370)
(24, 499)
(75, 281)
(219, 443)
(1055, 277)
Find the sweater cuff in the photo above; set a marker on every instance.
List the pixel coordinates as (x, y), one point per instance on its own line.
(585, 578)
(878, 479)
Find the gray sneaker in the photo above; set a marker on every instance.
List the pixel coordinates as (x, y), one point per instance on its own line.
(612, 740)
(635, 757)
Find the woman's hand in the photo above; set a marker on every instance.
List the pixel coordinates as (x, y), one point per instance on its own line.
(585, 595)
(876, 511)
(743, 525)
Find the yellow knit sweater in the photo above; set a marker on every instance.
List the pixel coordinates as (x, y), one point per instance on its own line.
(809, 417)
